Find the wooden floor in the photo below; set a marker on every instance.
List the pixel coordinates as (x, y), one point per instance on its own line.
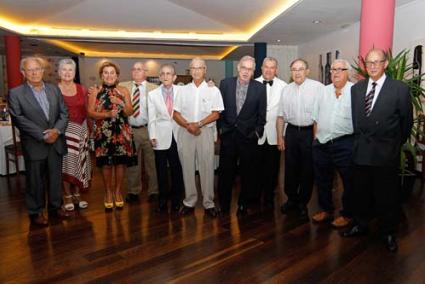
(137, 245)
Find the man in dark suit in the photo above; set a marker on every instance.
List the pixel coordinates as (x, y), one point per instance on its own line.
(241, 124)
(382, 121)
(38, 110)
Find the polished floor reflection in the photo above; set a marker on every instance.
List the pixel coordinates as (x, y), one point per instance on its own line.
(138, 245)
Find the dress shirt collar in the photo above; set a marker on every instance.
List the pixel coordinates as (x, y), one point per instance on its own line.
(202, 85)
(43, 87)
(143, 83)
(379, 82)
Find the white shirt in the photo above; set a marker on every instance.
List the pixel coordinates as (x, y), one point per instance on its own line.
(142, 118)
(378, 88)
(196, 103)
(297, 102)
(274, 94)
(332, 114)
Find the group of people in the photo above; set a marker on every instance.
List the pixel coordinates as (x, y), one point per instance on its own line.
(356, 129)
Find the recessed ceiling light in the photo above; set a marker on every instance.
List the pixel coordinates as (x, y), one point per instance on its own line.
(317, 22)
(278, 40)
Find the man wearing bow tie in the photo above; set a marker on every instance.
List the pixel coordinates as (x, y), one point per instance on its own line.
(269, 155)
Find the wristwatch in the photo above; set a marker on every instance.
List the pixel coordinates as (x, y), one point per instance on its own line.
(200, 124)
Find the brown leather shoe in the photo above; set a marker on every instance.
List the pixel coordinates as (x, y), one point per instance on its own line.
(39, 220)
(322, 216)
(341, 221)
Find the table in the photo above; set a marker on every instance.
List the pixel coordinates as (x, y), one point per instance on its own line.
(6, 139)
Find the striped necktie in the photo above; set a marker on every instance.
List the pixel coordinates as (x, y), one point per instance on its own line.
(136, 101)
(369, 100)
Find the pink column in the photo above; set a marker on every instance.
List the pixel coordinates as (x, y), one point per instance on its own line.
(376, 25)
(13, 57)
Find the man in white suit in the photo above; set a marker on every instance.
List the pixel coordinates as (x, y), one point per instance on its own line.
(268, 154)
(163, 133)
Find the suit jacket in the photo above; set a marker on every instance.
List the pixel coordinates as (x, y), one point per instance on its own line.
(161, 125)
(31, 121)
(274, 95)
(252, 117)
(379, 137)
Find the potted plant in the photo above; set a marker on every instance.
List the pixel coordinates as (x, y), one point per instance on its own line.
(399, 69)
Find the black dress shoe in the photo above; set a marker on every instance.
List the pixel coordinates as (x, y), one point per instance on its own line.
(162, 206)
(391, 243)
(175, 206)
(153, 197)
(132, 198)
(354, 231)
(242, 210)
(303, 213)
(185, 210)
(39, 220)
(212, 212)
(288, 207)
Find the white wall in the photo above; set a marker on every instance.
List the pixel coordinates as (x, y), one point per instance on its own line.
(284, 54)
(409, 30)
(89, 67)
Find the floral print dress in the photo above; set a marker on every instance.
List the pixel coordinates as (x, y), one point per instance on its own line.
(113, 136)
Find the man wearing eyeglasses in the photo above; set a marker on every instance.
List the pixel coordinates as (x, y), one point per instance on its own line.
(382, 122)
(139, 89)
(39, 112)
(241, 125)
(196, 108)
(296, 107)
(333, 143)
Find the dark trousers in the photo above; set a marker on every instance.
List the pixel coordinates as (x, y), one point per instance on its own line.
(42, 174)
(236, 148)
(328, 157)
(170, 157)
(268, 168)
(298, 165)
(376, 191)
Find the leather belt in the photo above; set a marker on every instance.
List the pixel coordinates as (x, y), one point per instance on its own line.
(140, 126)
(308, 127)
(332, 141)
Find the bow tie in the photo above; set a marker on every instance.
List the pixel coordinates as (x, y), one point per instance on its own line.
(268, 82)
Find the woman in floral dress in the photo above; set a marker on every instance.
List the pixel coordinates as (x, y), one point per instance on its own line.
(110, 105)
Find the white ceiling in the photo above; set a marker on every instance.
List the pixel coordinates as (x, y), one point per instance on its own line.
(220, 17)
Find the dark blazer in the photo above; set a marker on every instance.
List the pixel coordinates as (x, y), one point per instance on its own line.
(29, 117)
(379, 137)
(252, 117)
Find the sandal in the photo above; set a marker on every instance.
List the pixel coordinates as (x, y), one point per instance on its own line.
(81, 203)
(67, 203)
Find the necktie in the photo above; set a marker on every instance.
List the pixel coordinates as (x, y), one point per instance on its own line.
(169, 103)
(369, 100)
(136, 101)
(268, 82)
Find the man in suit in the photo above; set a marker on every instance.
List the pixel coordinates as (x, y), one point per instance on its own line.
(240, 126)
(382, 122)
(163, 134)
(196, 108)
(296, 107)
(38, 110)
(269, 155)
(139, 89)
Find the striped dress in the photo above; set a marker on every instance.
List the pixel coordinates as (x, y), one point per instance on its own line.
(76, 167)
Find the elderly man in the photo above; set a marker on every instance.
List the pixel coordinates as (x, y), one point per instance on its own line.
(241, 125)
(382, 122)
(163, 134)
(38, 110)
(296, 107)
(139, 89)
(333, 144)
(269, 155)
(196, 109)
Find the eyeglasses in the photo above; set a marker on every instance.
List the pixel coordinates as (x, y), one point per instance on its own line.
(138, 69)
(298, 70)
(34, 70)
(163, 74)
(337, 70)
(197, 68)
(374, 63)
(244, 68)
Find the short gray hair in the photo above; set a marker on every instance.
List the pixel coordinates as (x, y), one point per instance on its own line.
(303, 61)
(67, 61)
(343, 61)
(198, 59)
(24, 61)
(246, 58)
(272, 59)
(167, 65)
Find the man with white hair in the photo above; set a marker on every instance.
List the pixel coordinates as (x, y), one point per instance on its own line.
(241, 125)
(196, 108)
(333, 143)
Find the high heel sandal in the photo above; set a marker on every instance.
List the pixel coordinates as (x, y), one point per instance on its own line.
(67, 203)
(81, 203)
(119, 204)
(108, 205)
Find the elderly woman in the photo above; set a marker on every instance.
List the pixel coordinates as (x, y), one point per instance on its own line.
(76, 167)
(110, 105)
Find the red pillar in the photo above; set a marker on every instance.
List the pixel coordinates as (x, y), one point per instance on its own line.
(13, 57)
(376, 25)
